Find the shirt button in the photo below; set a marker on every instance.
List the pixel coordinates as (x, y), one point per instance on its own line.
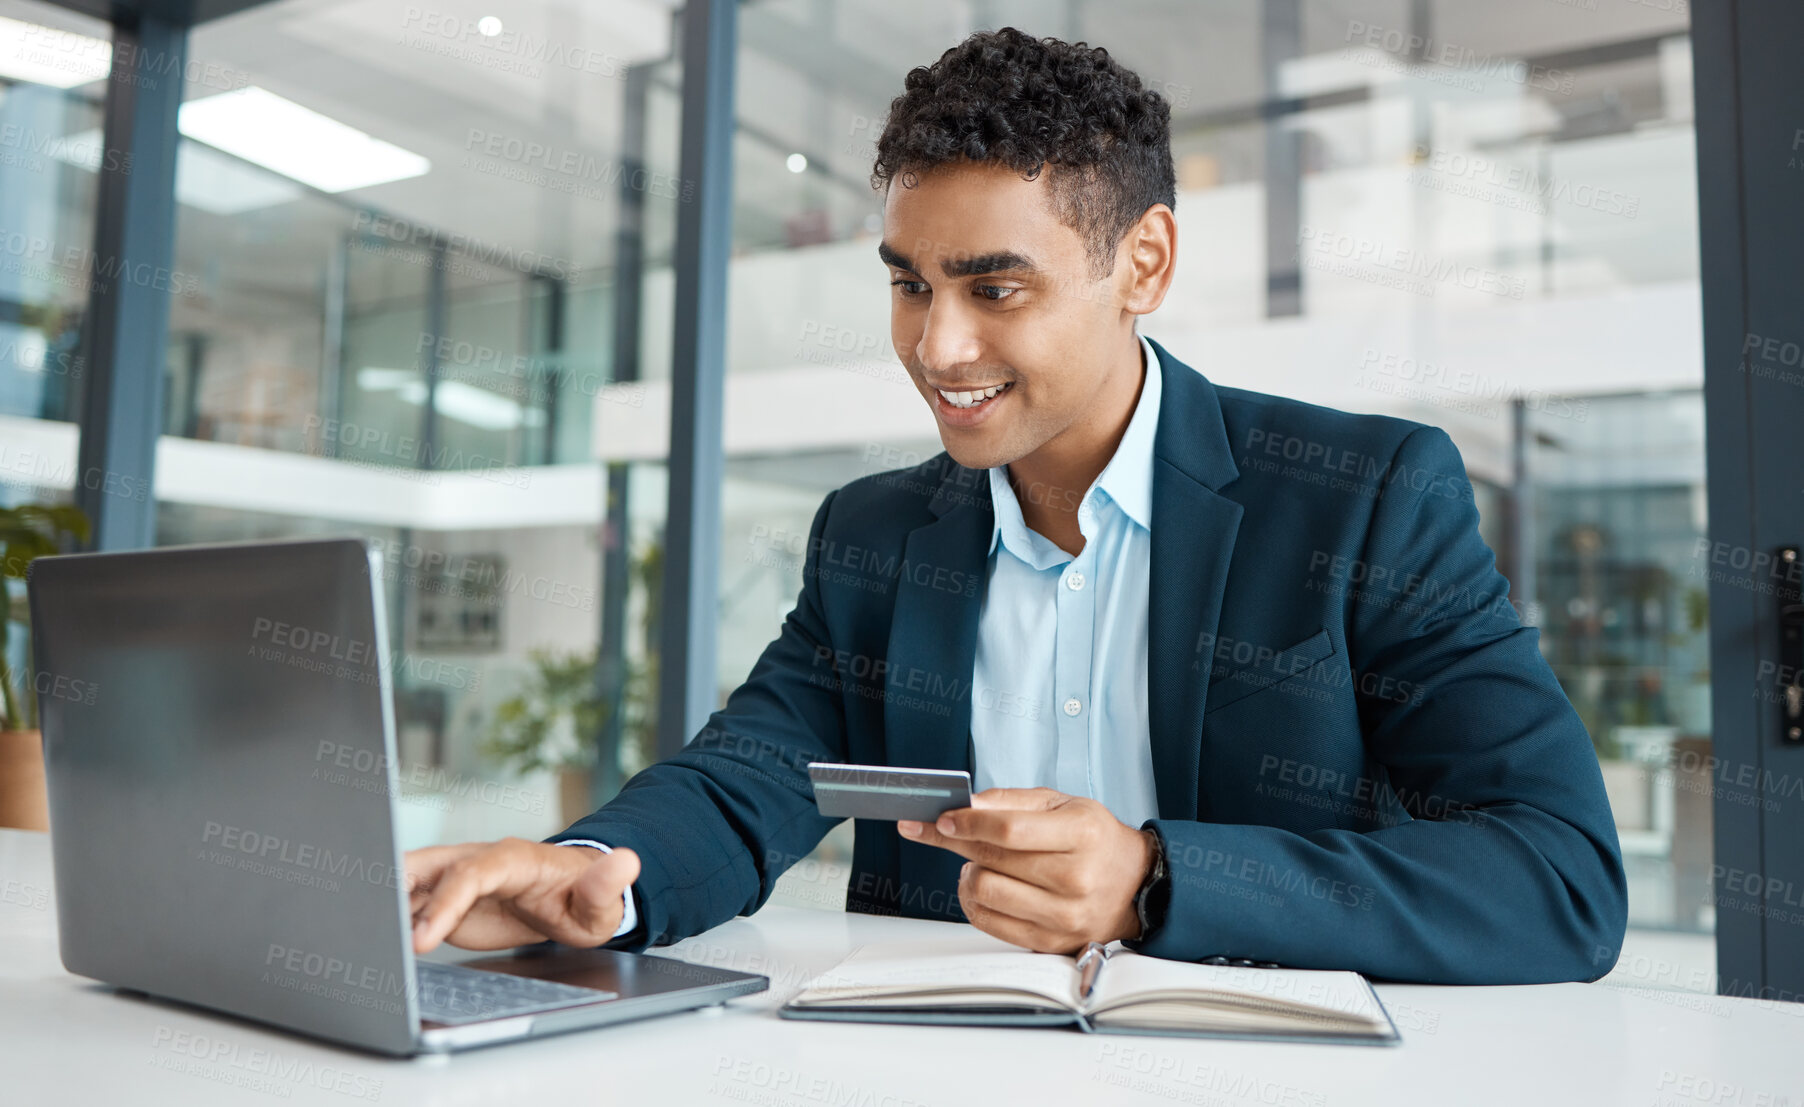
(1072, 707)
(1075, 582)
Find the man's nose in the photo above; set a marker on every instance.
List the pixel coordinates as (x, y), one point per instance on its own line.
(948, 340)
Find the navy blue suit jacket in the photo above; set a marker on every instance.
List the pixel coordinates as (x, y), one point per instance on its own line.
(1362, 759)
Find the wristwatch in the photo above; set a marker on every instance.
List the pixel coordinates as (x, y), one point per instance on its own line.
(1154, 895)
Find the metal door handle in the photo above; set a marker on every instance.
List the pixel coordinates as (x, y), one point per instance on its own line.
(1791, 649)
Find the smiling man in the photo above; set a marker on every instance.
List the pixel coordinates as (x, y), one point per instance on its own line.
(1235, 675)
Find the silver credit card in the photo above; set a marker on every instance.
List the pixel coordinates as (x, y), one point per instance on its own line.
(881, 792)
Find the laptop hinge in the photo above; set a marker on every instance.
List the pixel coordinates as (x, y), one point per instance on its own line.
(476, 1033)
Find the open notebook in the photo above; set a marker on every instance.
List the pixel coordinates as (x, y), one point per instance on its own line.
(977, 979)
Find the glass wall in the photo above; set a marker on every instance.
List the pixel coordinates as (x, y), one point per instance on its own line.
(1474, 216)
(409, 228)
(1618, 509)
(53, 70)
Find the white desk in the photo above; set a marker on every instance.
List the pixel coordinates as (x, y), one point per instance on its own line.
(65, 1039)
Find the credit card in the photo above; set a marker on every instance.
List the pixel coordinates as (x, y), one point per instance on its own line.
(882, 792)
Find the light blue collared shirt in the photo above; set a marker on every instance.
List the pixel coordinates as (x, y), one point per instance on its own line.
(1059, 689)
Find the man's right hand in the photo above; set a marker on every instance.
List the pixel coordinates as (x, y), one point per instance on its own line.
(493, 895)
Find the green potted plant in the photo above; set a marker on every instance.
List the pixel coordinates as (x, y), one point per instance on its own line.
(26, 533)
(543, 726)
(551, 723)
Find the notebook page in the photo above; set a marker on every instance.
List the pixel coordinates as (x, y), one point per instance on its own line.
(952, 973)
(1312, 994)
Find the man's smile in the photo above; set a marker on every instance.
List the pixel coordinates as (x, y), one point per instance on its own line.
(969, 407)
(970, 397)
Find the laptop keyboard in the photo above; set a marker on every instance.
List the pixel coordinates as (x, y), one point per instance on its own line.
(454, 995)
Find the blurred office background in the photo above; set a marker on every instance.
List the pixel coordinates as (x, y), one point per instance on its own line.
(423, 292)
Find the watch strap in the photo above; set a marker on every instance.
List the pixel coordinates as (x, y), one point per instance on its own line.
(1154, 895)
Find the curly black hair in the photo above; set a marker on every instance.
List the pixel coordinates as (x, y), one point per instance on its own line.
(1007, 97)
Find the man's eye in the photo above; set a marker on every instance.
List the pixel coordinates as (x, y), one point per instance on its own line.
(986, 289)
(909, 291)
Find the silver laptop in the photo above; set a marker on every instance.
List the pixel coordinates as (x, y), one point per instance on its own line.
(220, 744)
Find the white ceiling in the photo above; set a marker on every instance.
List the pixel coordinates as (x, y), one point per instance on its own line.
(814, 76)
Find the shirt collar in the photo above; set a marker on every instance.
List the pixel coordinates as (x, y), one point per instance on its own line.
(1127, 479)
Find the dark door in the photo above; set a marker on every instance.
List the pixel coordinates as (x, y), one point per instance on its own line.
(1750, 138)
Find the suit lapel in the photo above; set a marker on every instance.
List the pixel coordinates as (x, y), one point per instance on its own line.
(1192, 546)
(933, 638)
(932, 658)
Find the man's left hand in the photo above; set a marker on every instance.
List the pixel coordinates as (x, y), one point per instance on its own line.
(1047, 871)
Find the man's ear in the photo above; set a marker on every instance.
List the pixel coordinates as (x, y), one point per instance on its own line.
(1150, 250)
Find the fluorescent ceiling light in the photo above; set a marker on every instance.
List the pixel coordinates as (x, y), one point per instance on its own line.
(374, 379)
(211, 181)
(262, 128)
(481, 408)
(465, 403)
(48, 56)
(204, 177)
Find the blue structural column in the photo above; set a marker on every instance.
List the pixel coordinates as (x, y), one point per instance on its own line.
(1281, 41)
(431, 452)
(612, 674)
(686, 692)
(126, 332)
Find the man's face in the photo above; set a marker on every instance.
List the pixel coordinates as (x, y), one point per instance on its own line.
(989, 289)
